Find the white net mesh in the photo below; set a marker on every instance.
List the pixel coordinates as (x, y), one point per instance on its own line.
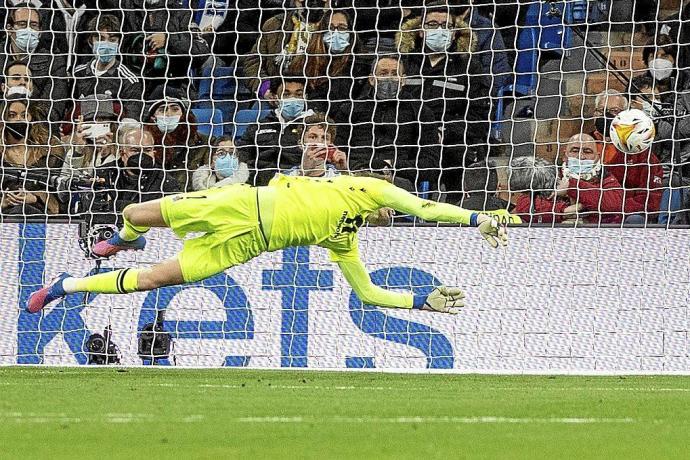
(559, 113)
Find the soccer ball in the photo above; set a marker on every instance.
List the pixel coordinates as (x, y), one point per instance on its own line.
(632, 131)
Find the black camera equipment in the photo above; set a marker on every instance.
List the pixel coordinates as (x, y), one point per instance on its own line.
(154, 342)
(101, 349)
(90, 235)
(54, 181)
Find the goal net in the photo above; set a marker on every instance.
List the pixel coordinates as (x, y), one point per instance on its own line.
(564, 120)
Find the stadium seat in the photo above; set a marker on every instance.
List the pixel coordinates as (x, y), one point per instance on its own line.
(246, 117)
(210, 121)
(546, 34)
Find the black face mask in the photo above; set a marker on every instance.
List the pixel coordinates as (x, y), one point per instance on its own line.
(17, 129)
(603, 124)
(141, 161)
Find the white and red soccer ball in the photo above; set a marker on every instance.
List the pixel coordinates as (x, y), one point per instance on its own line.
(632, 131)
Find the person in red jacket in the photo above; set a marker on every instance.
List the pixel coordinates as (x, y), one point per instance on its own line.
(641, 175)
(531, 184)
(595, 192)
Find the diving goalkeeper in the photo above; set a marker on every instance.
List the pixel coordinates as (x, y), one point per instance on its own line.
(239, 222)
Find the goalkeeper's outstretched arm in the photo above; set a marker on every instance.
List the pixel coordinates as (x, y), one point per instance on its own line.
(441, 299)
(400, 200)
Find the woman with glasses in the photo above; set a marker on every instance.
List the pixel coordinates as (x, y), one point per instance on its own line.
(225, 168)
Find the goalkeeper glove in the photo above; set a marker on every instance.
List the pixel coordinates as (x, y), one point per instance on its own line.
(442, 299)
(490, 229)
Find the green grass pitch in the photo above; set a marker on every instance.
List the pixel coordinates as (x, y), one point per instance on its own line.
(229, 413)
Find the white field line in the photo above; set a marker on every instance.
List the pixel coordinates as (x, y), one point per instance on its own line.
(388, 388)
(55, 417)
(415, 419)
(117, 418)
(406, 388)
(81, 370)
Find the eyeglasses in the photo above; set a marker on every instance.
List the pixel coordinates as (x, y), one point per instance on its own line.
(435, 25)
(339, 28)
(224, 153)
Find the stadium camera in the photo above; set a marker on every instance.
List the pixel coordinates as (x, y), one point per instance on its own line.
(101, 349)
(154, 342)
(90, 235)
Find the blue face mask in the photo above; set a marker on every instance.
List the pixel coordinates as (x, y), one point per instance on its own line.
(291, 108)
(105, 51)
(577, 166)
(226, 165)
(26, 39)
(437, 40)
(336, 40)
(167, 124)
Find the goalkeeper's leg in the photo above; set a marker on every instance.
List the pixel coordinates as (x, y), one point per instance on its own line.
(138, 219)
(115, 282)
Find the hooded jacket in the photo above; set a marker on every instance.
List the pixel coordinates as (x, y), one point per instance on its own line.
(454, 88)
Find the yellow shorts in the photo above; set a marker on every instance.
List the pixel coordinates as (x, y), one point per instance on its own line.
(228, 217)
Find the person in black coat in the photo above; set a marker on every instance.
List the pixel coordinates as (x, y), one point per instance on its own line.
(162, 42)
(384, 130)
(273, 143)
(437, 49)
(48, 72)
(105, 73)
(135, 177)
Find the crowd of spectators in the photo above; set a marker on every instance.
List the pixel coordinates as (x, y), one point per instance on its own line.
(105, 96)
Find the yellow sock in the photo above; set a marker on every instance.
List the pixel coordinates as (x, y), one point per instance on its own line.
(131, 232)
(114, 282)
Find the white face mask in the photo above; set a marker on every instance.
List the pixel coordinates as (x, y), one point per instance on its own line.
(21, 90)
(648, 107)
(660, 69)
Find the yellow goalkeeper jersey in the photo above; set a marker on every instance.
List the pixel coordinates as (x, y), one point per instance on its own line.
(328, 212)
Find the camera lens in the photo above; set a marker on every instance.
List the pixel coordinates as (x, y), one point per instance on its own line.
(97, 345)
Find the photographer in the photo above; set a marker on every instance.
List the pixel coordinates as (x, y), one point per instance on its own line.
(27, 146)
(91, 142)
(671, 119)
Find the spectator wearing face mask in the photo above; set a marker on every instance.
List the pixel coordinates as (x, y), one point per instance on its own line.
(660, 54)
(281, 48)
(134, 177)
(48, 71)
(106, 73)
(320, 158)
(225, 168)
(174, 129)
(385, 130)
(644, 95)
(607, 105)
(334, 75)
(437, 49)
(273, 143)
(594, 194)
(27, 146)
(17, 80)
